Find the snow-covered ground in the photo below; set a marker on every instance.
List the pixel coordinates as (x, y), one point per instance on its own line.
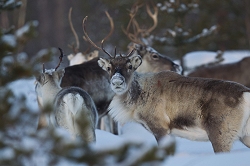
(188, 153)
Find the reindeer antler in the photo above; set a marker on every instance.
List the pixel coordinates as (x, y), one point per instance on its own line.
(75, 49)
(43, 68)
(110, 33)
(60, 58)
(153, 16)
(129, 54)
(138, 32)
(133, 36)
(112, 27)
(108, 52)
(87, 36)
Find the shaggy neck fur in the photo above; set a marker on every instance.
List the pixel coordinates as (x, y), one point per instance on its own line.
(121, 105)
(49, 92)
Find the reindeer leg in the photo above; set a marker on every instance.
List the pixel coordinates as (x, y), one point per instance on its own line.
(220, 143)
(221, 136)
(42, 121)
(156, 125)
(246, 141)
(246, 137)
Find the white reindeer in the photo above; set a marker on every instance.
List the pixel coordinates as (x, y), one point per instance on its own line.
(80, 58)
(73, 108)
(168, 103)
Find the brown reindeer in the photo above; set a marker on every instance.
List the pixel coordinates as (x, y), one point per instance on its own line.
(168, 103)
(237, 71)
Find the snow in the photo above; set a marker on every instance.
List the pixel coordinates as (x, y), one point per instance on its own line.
(49, 71)
(9, 40)
(201, 153)
(26, 28)
(194, 59)
(188, 153)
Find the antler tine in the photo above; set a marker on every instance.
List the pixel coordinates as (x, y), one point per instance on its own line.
(60, 58)
(75, 49)
(115, 51)
(111, 26)
(86, 35)
(106, 51)
(153, 16)
(131, 53)
(43, 68)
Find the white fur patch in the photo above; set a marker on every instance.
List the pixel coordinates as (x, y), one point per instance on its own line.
(71, 105)
(73, 102)
(119, 112)
(245, 126)
(118, 84)
(192, 133)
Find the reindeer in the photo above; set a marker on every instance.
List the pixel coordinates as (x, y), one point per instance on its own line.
(73, 108)
(168, 103)
(237, 71)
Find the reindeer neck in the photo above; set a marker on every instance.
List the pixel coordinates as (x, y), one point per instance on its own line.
(134, 89)
(49, 92)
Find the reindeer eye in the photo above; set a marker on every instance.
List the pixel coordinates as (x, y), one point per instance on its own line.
(130, 67)
(155, 56)
(108, 68)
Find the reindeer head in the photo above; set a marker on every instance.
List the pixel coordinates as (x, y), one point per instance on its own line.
(120, 69)
(153, 61)
(50, 76)
(49, 80)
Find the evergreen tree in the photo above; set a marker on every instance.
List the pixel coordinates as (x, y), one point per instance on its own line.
(180, 37)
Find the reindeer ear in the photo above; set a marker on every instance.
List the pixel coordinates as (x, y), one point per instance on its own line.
(136, 61)
(40, 78)
(104, 64)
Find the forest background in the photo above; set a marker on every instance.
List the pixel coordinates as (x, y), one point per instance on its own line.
(231, 16)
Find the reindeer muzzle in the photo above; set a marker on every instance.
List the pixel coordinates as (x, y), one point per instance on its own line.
(118, 84)
(117, 80)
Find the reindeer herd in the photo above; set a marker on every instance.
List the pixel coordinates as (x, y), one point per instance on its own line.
(144, 86)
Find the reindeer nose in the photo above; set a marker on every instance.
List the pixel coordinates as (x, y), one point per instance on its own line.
(117, 79)
(117, 82)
